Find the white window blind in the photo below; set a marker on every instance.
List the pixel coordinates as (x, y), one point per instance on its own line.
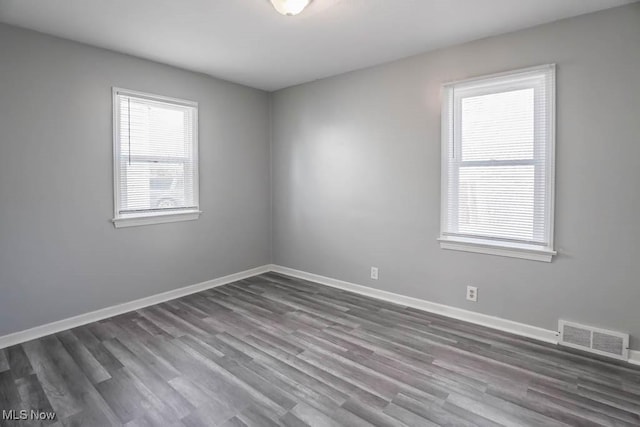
(498, 149)
(155, 158)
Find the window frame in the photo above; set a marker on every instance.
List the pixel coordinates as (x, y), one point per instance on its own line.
(499, 83)
(149, 218)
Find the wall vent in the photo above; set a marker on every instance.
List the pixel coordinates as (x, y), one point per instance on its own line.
(594, 340)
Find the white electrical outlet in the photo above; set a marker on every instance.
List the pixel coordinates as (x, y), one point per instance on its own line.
(472, 293)
(374, 273)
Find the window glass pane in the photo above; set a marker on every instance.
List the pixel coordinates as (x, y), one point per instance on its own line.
(153, 186)
(498, 126)
(154, 130)
(497, 201)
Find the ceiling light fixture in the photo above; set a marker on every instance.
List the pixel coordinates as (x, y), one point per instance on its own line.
(290, 7)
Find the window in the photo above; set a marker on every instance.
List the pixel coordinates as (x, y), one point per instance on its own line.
(155, 159)
(498, 164)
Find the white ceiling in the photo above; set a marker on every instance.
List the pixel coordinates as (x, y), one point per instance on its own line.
(248, 42)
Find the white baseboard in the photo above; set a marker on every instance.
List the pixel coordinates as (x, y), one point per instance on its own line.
(105, 313)
(498, 323)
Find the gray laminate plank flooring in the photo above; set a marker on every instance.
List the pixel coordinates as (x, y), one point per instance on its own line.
(273, 350)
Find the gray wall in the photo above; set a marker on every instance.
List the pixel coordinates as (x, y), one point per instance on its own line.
(59, 254)
(356, 177)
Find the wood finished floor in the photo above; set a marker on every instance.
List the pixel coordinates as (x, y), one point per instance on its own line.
(272, 350)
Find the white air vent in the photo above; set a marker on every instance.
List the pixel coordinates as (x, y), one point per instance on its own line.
(594, 340)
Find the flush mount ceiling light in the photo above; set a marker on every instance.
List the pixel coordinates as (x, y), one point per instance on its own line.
(290, 7)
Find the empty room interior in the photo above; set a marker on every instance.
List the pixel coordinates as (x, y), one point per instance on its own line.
(319, 213)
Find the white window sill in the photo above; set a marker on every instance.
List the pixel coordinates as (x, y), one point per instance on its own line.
(134, 221)
(490, 247)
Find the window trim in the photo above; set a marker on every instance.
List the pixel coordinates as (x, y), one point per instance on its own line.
(489, 246)
(133, 220)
